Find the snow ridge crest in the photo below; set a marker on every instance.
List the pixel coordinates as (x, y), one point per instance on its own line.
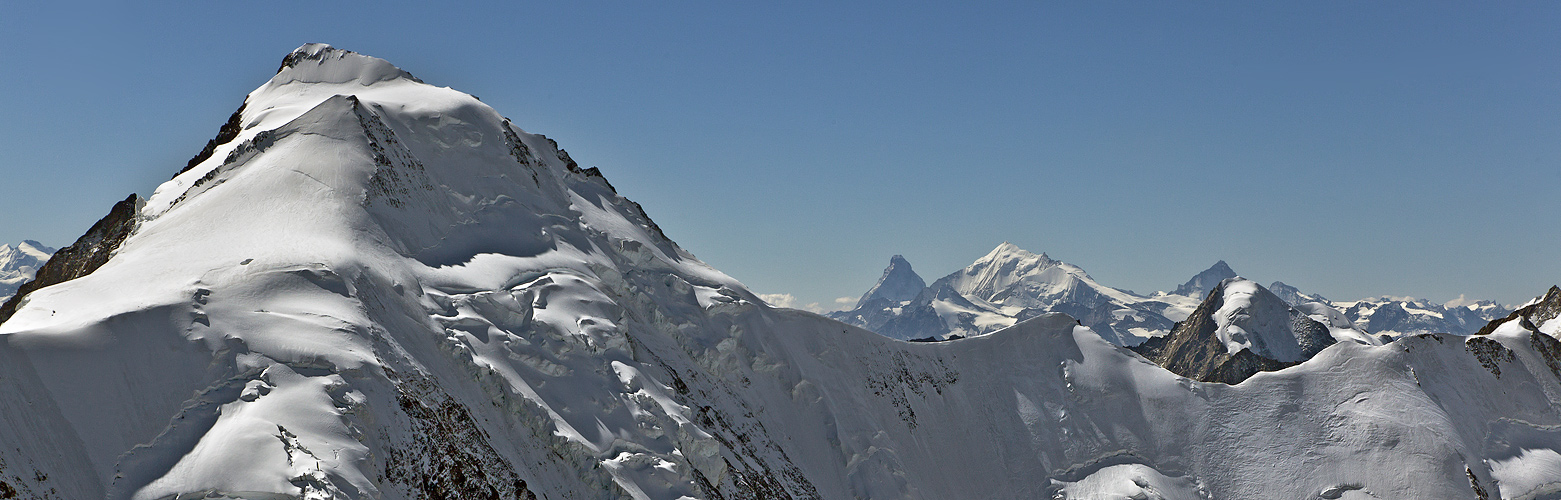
(322, 63)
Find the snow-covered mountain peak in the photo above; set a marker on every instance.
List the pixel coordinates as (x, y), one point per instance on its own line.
(1007, 265)
(1253, 318)
(35, 248)
(1009, 252)
(1200, 284)
(322, 63)
(353, 235)
(27, 254)
(899, 283)
(19, 264)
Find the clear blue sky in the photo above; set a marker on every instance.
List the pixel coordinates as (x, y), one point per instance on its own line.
(1348, 148)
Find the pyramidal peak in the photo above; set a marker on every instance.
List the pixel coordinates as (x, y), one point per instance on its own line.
(1201, 284)
(899, 283)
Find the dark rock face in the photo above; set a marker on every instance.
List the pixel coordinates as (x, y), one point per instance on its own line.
(1194, 350)
(460, 463)
(1490, 353)
(1548, 348)
(84, 256)
(226, 134)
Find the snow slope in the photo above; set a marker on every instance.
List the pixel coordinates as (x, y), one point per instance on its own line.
(382, 289)
(18, 264)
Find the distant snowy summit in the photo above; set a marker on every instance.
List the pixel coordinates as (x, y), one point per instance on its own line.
(1009, 285)
(18, 265)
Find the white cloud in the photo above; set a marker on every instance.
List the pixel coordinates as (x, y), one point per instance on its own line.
(790, 301)
(780, 299)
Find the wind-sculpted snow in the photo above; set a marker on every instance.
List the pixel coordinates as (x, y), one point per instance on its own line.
(382, 289)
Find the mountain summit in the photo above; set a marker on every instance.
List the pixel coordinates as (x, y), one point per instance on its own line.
(19, 264)
(1201, 284)
(1010, 284)
(898, 284)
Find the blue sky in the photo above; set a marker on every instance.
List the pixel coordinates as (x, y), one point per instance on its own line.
(1348, 148)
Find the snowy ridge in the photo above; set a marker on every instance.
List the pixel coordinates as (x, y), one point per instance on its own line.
(382, 289)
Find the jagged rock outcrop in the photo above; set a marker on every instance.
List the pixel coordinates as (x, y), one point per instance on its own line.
(1532, 316)
(1234, 334)
(89, 252)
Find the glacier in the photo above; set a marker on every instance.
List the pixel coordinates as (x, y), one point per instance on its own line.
(373, 287)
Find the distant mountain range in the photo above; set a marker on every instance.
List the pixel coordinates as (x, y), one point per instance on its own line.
(1010, 284)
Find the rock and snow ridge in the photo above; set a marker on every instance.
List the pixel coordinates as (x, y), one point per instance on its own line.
(18, 264)
(1240, 329)
(382, 289)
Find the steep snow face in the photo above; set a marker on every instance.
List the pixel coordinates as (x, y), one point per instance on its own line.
(1255, 319)
(375, 283)
(18, 264)
(898, 284)
(1201, 283)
